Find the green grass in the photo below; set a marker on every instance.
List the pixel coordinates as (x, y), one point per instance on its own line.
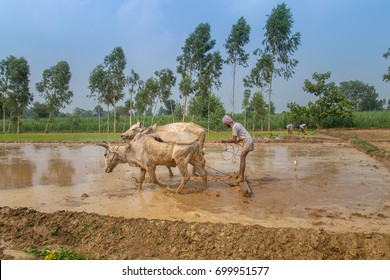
(59, 137)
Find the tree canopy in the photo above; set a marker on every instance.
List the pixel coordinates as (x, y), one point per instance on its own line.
(199, 67)
(238, 38)
(54, 88)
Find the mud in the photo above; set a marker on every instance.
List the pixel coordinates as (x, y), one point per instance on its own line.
(316, 189)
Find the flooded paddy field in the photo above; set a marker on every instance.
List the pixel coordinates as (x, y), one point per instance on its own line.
(329, 186)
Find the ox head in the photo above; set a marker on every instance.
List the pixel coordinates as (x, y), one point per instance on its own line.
(133, 131)
(110, 156)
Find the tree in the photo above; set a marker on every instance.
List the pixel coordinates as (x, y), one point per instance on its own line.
(200, 106)
(54, 88)
(237, 39)
(14, 87)
(166, 80)
(331, 101)
(245, 103)
(134, 83)
(97, 86)
(142, 99)
(386, 77)
(115, 64)
(261, 74)
(39, 110)
(364, 95)
(279, 45)
(258, 107)
(200, 68)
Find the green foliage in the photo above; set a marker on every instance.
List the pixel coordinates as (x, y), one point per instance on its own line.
(363, 95)
(54, 88)
(15, 94)
(87, 129)
(50, 254)
(330, 103)
(386, 77)
(200, 68)
(235, 43)
(207, 106)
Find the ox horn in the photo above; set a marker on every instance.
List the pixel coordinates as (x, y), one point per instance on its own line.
(104, 144)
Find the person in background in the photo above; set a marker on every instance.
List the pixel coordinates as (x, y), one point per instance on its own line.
(239, 134)
(290, 128)
(302, 128)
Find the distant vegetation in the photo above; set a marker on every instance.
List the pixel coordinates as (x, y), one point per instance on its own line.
(74, 123)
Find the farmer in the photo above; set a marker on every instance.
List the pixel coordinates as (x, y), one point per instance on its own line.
(302, 128)
(290, 128)
(239, 134)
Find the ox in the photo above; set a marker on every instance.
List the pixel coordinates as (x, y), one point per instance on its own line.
(191, 128)
(147, 151)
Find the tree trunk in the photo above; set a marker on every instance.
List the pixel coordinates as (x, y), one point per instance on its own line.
(234, 85)
(114, 114)
(208, 115)
(269, 105)
(184, 108)
(4, 117)
(172, 113)
(131, 109)
(99, 116)
(18, 125)
(108, 118)
(48, 123)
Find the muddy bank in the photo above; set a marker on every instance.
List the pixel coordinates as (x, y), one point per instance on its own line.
(103, 237)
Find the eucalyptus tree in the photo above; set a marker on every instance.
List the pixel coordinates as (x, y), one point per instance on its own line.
(238, 38)
(142, 98)
(199, 67)
(386, 77)
(97, 85)
(134, 83)
(258, 107)
(279, 44)
(115, 64)
(14, 87)
(245, 104)
(166, 80)
(54, 88)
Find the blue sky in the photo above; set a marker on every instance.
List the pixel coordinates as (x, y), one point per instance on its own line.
(346, 37)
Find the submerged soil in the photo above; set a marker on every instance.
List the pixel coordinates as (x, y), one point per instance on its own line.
(313, 198)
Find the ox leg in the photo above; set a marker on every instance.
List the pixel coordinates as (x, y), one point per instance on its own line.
(170, 171)
(184, 175)
(141, 177)
(153, 178)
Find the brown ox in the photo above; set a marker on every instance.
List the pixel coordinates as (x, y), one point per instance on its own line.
(148, 151)
(190, 128)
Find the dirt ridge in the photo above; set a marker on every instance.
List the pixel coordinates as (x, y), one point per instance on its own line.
(105, 237)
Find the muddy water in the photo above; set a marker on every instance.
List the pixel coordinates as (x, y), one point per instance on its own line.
(330, 186)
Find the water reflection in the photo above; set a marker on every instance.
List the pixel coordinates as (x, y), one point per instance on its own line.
(59, 172)
(32, 165)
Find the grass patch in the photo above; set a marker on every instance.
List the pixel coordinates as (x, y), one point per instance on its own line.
(50, 254)
(59, 137)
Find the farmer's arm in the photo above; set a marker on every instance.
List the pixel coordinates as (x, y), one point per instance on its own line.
(232, 140)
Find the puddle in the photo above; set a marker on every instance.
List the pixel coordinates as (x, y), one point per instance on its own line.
(330, 185)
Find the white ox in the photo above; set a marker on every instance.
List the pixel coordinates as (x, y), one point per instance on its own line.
(191, 128)
(148, 151)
